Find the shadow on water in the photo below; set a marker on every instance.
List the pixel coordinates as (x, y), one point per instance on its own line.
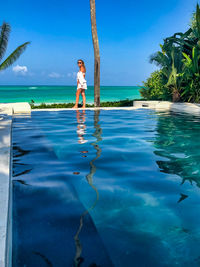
(177, 141)
(44, 258)
(19, 152)
(21, 182)
(78, 260)
(20, 168)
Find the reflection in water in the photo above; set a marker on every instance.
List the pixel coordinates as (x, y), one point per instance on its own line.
(81, 127)
(137, 213)
(97, 134)
(21, 173)
(20, 168)
(19, 152)
(45, 259)
(182, 197)
(174, 142)
(21, 182)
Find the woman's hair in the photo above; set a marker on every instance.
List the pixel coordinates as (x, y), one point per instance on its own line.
(83, 64)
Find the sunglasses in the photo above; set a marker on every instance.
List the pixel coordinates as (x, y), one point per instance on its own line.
(79, 63)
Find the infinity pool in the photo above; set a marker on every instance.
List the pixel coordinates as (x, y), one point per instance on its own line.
(106, 188)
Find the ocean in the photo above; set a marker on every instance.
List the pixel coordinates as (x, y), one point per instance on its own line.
(64, 94)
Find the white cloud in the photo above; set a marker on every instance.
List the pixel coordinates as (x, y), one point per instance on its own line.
(55, 75)
(22, 70)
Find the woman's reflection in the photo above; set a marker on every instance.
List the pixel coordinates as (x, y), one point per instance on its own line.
(89, 177)
(81, 127)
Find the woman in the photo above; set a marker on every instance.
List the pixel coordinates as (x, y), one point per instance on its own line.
(81, 83)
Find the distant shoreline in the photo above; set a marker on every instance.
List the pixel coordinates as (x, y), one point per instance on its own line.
(64, 94)
(73, 85)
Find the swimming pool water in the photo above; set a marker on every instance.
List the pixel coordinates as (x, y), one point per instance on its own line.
(106, 188)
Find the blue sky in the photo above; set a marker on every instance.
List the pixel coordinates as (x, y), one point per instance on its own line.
(129, 32)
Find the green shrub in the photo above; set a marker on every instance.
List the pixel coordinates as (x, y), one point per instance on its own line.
(154, 88)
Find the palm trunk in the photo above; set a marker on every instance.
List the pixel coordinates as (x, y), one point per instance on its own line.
(175, 95)
(96, 54)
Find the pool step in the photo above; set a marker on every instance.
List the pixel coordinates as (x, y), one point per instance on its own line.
(14, 108)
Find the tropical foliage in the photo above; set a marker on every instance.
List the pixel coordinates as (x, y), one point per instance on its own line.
(4, 37)
(179, 63)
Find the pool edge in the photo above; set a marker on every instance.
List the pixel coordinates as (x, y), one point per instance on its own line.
(6, 119)
(5, 188)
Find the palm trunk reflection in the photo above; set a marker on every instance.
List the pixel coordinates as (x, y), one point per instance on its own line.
(97, 134)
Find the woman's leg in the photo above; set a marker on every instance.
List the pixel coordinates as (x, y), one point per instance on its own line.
(83, 96)
(77, 98)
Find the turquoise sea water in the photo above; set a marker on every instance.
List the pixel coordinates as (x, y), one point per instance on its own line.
(64, 94)
(106, 188)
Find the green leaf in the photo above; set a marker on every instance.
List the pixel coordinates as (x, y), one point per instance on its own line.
(195, 59)
(4, 35)
(184, 92)
(14, 56)
(187, 57)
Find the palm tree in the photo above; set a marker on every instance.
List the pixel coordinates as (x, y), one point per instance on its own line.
(169, 62)
(96, 54)
(4, 36)
(170, 59)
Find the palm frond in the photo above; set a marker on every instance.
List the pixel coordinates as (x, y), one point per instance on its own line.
(173, 75)
(4, 35)
(14, 56)
(181, 35)
(159, 58)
